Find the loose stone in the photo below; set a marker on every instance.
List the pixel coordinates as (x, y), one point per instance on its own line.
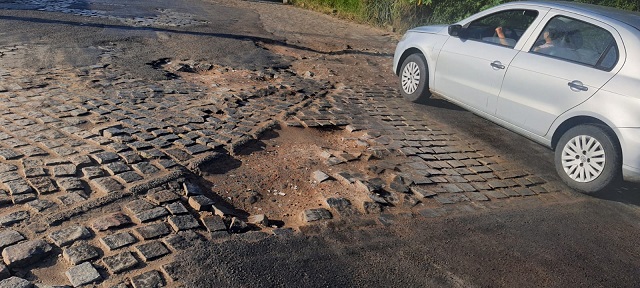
(111, 221)
(9, 237)
(83, 274)
(149, 279)
(26, 253)
(200, 202)
(316, 214)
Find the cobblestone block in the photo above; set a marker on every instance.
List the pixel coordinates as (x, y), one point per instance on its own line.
(153, 230)
(105, 157)
(40, 205)
(167, 163)
(191, 189)
(495, 194)
(129, 177)
(26, 253)
(83, 274)
(34, 172)
(9, 237)
(114, 220)
(137, 206)
(115, 241)
(120, 262)
(9, 154)
(183, 222)
(151, 279)
(152, 250)
(107, 185)
(13, 217)
(116, 167)
(64, 170)
(80, 253)
(171, 271)
(4, 167)
(19, 186)
(145, 168)
(43, 185)
(69, 235)
(200, 202)
(4, 198)
(71, 198)
(213, 223)
(176, 208)
(15, 282)
(23, 198)
(151, 214)
(162, 197)
(93, 172)
(70, 184)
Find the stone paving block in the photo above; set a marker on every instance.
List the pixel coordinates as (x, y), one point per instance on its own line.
(26, 253)
(71, 198)
(18, 186)
(107, 185)
(115, 241)
(120, 262)
(316, 214)
(69, 235)
(176, 208)
(43, 185)
(162, 197)
(137, 206)
(9, 237)
(152, 250)
(151, 279)
(23, 198)
(510, 192)
(40, 205)
(105, 157)
(80, 253)
(153, 230)
(145, 168)
(172, 271)
(93, 172)
(167, 163)
(213, 223)
(4, 167)
(200, 202)
(129, 177)
(116, 167)
(477, 196)
(4, 198)
(191, 189)
(15, 282)
(114, 220)
(13, 217)
(83, 274)
(495, 194)
(183, 222)
(34, 172)
(64, 170)
(151, 214)
(9, 154)
(69, 184)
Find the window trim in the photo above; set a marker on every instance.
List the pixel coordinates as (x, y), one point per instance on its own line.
(498, 12)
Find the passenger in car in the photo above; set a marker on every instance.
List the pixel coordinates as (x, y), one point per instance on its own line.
(548, 36)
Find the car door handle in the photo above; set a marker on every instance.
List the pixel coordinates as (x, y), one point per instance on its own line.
(497, 65)
(577, 86)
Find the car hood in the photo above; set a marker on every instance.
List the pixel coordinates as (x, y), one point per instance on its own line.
(433, 29)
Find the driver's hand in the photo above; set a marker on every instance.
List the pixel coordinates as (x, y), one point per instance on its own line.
(499, 32)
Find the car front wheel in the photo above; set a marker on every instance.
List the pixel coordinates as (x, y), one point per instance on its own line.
(587, 158)
(414, 78)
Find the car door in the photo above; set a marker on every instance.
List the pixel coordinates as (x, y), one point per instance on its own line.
(471, 67)
(551, 78)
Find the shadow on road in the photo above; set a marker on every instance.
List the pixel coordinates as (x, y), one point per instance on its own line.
(257, 39)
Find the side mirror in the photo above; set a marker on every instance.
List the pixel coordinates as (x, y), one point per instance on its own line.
(456, 30)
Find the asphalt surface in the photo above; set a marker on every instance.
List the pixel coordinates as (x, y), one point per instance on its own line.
(586, 241)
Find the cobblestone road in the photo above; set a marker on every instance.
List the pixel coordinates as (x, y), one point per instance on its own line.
(102, 168)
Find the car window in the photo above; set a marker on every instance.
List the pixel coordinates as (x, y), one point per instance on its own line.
(577, 41)
(512, 23)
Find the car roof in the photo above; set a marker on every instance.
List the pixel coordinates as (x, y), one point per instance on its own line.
(630, 18)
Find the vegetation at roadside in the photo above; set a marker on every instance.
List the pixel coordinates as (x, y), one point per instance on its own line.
(404, 14)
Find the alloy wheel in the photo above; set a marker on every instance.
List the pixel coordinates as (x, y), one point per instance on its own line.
(410, 77)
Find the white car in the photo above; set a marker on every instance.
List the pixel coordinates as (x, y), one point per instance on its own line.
(563, 74)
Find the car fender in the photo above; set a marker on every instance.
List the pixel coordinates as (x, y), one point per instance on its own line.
(429, 44)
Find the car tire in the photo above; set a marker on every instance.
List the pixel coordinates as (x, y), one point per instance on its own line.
(588, 158)
(414, 78)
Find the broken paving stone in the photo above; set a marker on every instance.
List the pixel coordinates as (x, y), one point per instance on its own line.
(237, 225)
(120, 262)
(149, 279)
(151, 214)
(191, 189)
(115, 241)
(13, 217)
(341, 205)
(26, 253)
(177, 208)
(183, 222)
(153, 230)
(316, 214)
(213, 223)
(83, 274)
(409, 201)
(423, 192)
(372, 207)
(80, 253)
(319, 176)
(378, 198)
(114, 220)
(163, 196)
(259, 219)
(15, 282)
(9, 237)
(69, 235)
(345, 178)
(398, 184)
(152, 250)
(283, 232)
(200, 202)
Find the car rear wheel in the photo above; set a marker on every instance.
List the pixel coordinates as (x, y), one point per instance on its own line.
(587, 158)
(414, 78)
